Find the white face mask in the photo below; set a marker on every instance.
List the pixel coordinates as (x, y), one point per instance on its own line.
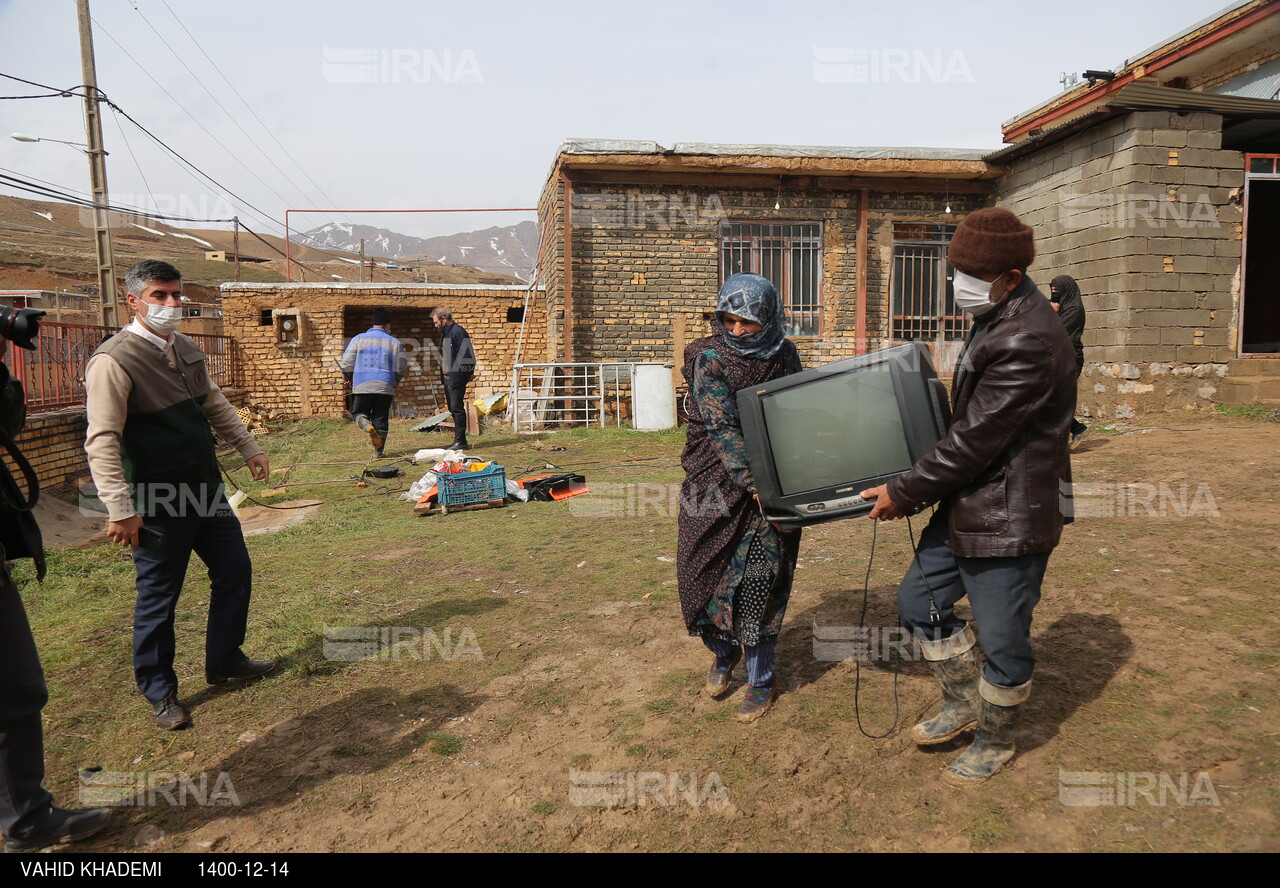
(973, 295)
(162, 319)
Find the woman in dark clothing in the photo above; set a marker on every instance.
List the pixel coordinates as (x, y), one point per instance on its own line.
(1064, 293)
(735, 569)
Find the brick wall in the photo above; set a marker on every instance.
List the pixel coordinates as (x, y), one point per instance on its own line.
(1143, 212)
(53, 442)
(305, 381)
(646, 261)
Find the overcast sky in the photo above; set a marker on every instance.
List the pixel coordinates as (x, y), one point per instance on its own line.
(399, 104)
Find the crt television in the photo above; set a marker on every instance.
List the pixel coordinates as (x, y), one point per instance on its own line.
(818, 438)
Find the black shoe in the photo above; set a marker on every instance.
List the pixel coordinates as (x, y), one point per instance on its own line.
(459, 445)
(246, 670)
(62, 825)
(169, 714)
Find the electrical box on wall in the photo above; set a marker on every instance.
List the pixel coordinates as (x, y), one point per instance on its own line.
(288, 324)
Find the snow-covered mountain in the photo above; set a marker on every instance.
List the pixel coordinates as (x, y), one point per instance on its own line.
(506, 249)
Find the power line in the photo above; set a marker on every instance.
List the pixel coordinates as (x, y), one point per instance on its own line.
(69, 93)
(57, 191)
(115, 115)
(261, 214)
(222, 107)
(265, 128)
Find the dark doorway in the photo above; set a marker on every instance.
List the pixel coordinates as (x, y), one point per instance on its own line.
(1260, 325)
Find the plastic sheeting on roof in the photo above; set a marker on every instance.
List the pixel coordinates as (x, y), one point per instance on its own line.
(624, 146)
(1261, 83)
(609, 146)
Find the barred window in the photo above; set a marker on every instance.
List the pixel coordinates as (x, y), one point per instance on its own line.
(788, 254)
(923, 306)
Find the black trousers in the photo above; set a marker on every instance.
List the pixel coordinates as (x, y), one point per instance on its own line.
(213, 533)
(23, 799)
(377, 408)
(455, 392)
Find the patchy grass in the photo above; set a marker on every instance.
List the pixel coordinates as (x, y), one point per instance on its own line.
(1155, 640)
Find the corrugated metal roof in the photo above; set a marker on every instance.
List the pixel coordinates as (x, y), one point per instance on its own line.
(1261, 83)
(1144, 96)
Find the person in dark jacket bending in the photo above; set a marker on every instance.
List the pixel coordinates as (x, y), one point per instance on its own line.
(1064, 296)
(1002, 481)
(457, 366)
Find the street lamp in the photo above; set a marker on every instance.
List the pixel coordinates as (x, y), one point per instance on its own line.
(23, 137)
(101, 223)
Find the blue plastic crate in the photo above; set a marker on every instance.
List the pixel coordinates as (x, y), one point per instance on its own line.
(473, 487)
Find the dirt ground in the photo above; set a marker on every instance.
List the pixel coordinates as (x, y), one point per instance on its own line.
(1157, 642)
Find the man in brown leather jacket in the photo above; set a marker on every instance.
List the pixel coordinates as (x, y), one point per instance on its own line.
(1002, 481)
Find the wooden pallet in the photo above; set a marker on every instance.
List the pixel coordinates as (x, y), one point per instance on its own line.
(434, 508)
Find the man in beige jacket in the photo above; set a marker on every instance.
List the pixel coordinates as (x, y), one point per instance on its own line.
(152, 411)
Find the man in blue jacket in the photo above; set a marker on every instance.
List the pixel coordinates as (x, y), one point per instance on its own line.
(374, 363)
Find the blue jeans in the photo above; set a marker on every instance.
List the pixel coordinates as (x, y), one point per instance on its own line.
(214, 534)
(1003, 592)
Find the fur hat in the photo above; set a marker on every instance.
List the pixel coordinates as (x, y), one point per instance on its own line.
(992, 241)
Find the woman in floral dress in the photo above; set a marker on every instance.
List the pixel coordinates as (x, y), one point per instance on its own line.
(735, 569)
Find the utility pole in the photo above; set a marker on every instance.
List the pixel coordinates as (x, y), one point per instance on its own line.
(362, 260)
(235, 242)
(97, 172)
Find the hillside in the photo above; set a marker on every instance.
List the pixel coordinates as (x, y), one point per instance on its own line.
(48, 245)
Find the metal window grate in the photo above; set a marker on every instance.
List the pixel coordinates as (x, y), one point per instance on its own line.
(922, 299)
(789, 255)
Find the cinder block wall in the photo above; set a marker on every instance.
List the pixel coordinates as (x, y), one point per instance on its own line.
(305, 381)
(53, 442)
(1144, 212)
(646, 262)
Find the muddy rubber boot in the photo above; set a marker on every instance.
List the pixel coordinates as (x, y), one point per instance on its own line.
(954, 662)
(993, 746)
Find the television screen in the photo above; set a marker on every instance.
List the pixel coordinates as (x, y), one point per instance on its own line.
(835, 429)
(818, 438)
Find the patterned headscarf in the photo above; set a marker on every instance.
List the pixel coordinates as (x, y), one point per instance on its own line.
(753, 298)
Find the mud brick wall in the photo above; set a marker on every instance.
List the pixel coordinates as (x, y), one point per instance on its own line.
(646, 261)
(1143, 211)
(305, 381)
(53, 442)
